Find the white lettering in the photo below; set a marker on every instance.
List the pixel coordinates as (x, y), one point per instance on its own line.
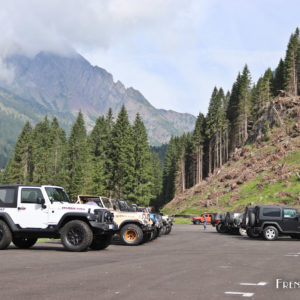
(277, 283)
(287, 284)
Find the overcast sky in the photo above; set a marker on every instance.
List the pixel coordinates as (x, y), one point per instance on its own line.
(173, 51)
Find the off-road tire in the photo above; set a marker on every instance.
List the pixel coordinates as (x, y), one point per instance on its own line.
(76, 236)
(251, 216)
(147, 237)
(101, 242)
(24, 242)
(197, 222)
(270, 233)
(5, 235)
(251, 234)
(222, 228)
(131, 235)
(154, 233)
(163, 230)
(168, 229)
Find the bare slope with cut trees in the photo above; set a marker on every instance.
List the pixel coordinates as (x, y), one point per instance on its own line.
(248, 142)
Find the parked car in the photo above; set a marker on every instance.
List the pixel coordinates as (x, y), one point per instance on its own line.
(133, 227)
(156, 219)
(216, 218)
(245, 223)
(221, 227)
(31, 212)
(167, 224)
(272, 221)
(233, 221)
(200, 219)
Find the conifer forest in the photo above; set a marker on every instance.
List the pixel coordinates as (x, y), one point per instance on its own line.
(115, 159)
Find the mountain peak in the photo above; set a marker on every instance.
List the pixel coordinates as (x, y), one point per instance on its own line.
(61, 85)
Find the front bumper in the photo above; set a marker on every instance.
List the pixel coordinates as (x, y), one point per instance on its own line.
(148, 227)
(104, 227)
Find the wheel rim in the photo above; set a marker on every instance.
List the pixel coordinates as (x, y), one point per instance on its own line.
(130, 235)
(270, 234)
(75, 236)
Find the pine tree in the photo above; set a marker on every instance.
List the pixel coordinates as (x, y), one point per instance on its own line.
(58, 155)
(98, 144)
(156, 180)
(121, 154)
(77, 158)
(173, 156)
(261, 95)
(41, 151)
(142, 163)
(291, 64)
(278, 81)
(20, 166)
(211, 127)
(198, 139)
(244, 105)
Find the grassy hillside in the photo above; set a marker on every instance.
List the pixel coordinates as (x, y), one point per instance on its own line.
(264, 172)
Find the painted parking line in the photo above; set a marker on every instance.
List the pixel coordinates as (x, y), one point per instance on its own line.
(292, 255)
(262, 283)
(240, 294)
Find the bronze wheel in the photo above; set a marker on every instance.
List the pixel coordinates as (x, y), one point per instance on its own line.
(131, 234)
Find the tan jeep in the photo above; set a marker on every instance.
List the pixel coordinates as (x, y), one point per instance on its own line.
(133, 227)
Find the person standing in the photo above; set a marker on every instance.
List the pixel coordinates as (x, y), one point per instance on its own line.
(204, 222)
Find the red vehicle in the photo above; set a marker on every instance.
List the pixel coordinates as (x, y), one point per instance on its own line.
(199, 220)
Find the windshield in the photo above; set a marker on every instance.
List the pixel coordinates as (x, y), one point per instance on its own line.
(90, 200)
(106, 202)
(57, 194)
(124, 206)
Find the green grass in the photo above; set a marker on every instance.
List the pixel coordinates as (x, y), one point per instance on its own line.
(45, 240)
(293, 158)
(269, 193)
(183, 221)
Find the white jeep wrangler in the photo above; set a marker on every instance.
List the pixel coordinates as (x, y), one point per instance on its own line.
(31, 212)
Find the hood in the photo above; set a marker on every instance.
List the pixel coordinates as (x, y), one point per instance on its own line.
(72, 207)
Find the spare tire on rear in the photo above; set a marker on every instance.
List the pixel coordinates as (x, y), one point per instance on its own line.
(251, 217)
(231, 217)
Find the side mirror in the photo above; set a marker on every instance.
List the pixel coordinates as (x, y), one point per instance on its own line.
(42, 202)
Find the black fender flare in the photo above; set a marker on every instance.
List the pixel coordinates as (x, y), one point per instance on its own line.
(275, 224)
(73, 216)
(8, 220)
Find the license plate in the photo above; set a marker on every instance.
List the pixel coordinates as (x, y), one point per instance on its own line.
(111, 226)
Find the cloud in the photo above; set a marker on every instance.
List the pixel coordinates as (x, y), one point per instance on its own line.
(173, 51)
(33, 25)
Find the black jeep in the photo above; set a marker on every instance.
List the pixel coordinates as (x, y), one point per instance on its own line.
(271, 221)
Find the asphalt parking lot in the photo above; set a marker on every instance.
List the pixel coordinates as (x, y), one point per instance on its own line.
(190, 263)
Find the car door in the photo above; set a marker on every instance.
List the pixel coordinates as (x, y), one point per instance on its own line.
(290, 220)
(30, 213)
